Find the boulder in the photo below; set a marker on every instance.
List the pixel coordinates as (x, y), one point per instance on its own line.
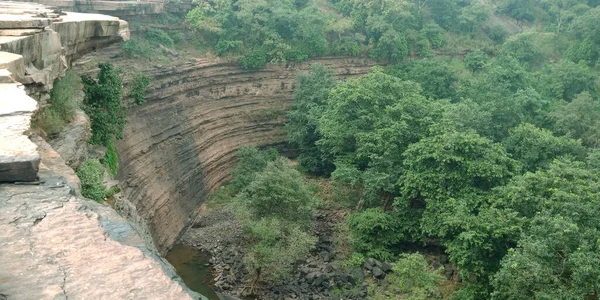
(378, 273)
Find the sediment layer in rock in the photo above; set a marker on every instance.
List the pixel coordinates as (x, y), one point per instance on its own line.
(180, 145)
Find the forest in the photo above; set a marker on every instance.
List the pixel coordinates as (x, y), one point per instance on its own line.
(477, 135)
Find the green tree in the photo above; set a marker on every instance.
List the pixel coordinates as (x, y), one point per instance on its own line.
(476, 60)
(414, 278)
(474, 16)
(373, 231)
(536, 148)
(565, 79)
(103, 103)
(521, 10)
(579, 119)
(140, 83)
(275, 210)
(250, 162)
(451, 165)
(310, 98)
(279, 192)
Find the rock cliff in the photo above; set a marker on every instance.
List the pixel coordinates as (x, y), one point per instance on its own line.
(53, 243)
(180, 145)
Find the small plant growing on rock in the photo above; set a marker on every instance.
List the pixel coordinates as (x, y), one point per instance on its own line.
(140, 82)
(103, 103)
(62, 105)
(91, 174)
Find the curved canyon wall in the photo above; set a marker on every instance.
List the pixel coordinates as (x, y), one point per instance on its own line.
(180, 145)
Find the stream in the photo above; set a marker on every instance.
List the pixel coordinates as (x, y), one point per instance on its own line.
(193, 268)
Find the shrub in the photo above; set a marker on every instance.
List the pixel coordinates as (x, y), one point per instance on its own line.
(140, 82)
(50, 122)
(103, 103)
(373, 231)
(413, 277)
(497, 33)
(91, 174)
(278, 191)
(137, 48)
(178, 37)
(62, 105)
(158, 36)
(254, 60)
(62, 96)
(250, 162)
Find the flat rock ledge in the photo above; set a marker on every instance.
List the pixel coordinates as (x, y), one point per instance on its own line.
(55, 244)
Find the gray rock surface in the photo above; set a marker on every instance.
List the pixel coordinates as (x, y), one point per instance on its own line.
(54, 245)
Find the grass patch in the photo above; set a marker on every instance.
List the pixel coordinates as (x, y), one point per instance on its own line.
(61, 106)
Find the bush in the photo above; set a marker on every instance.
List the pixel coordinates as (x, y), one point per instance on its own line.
(497, 33)
(50, 122)
(137, 48)
(413, 276)
(254, 60)
(158, 36)
(91, 174)
(250, 162)
(279, 191)
(103, 103)
(62, 105)
(373, 231)
(178, 37)
(140, 82)
(275, 209)
(62, 96)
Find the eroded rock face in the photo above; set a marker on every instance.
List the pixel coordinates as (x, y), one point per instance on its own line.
(180, 145)
(54, 245)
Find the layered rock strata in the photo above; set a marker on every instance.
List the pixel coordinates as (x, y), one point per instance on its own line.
(53, 243)
(180, 145)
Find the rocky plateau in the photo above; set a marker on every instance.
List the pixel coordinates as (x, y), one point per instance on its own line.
(54, 244)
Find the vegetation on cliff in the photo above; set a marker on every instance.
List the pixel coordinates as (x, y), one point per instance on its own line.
(61, 106)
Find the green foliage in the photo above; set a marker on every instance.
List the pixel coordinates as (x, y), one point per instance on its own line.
(111, 159)
(137, 48)
(274, 248)
(275, 208)
(565, 79)
(436, 77)
(140, 82)
(103, 103)
(536, 148)
(579, 119)
(62, 105)
(158, 36)
(250, 162)
(373, 231)
(91, 174)
(413, 277)
(476, 61)
(521, 10)
(450, 166)
(558, 253)
(262, 31)
(310, 97)
(278, 192)
(496, 33)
